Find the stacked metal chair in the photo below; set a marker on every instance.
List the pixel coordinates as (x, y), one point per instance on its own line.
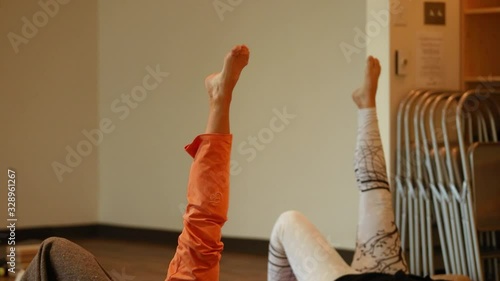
(448, 162)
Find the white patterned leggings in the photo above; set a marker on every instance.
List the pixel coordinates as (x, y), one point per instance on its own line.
(298, 251)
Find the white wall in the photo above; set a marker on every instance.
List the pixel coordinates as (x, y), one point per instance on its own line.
(379, 13)
(406, 23)
(140, 174)
(405, 37)
(49, 95)
(296, 63)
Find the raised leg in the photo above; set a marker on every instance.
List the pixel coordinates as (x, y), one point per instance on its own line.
(199, 246)
(220, 88)
(298, 251)
(378, 247)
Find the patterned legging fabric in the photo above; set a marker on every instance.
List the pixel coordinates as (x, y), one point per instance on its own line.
(298, 251)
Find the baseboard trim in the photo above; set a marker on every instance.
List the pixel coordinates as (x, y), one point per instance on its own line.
(156, 236)
(41, 233)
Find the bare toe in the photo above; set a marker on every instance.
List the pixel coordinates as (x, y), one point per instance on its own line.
(220, 85)
(365, 96)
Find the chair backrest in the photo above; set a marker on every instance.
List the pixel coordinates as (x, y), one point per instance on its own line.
(485, 170)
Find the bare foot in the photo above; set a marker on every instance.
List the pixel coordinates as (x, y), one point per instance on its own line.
(220, 85)
(364, 97)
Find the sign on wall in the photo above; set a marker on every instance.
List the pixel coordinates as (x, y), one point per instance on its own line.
(430, 60)
(435, 13)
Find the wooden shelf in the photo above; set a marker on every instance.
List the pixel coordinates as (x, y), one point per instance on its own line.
(482, 11)
(484, 79)
(479, 4)
(480, 38)
(490, 253)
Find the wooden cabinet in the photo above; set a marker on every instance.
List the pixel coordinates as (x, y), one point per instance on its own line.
(480, 43)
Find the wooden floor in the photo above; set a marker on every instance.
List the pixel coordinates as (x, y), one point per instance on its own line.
(141, 261)
(145, 262)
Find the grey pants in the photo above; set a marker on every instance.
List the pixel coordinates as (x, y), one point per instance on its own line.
(61, 260)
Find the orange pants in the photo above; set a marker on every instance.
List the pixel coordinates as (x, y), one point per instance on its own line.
(199, 246)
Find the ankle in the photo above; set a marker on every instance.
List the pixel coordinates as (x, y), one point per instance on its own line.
(367, 103)
(220, 104)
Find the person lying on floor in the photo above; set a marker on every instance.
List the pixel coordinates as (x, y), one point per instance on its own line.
(294, 241)
(298, 251)
(199, 247)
